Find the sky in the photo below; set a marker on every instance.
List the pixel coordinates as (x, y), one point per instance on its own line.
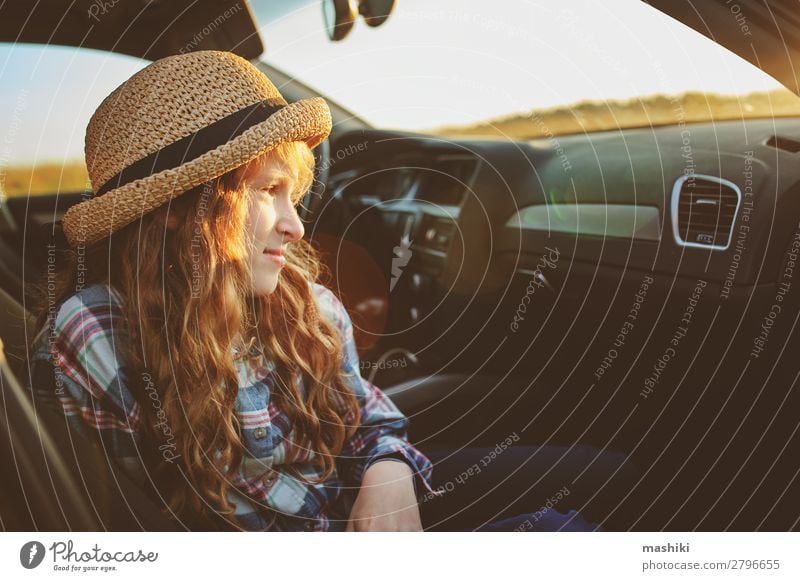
(459, 61)
(433, 63)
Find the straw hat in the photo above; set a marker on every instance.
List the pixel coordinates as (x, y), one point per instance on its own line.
(181, 121)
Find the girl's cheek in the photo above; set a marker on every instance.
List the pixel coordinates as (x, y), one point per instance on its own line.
(255, 221)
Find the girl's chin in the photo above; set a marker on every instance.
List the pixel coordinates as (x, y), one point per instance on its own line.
(265, 285)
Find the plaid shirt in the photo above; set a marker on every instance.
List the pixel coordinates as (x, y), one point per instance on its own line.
(92, 392)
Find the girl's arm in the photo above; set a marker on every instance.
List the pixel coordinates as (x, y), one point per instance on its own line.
(383, 430)
(85, 382)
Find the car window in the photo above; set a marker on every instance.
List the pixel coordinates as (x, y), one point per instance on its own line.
(519, 69)
(47, 97)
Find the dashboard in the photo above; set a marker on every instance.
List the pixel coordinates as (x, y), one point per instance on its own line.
(460, 227)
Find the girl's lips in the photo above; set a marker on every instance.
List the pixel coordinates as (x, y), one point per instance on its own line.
(276, 256)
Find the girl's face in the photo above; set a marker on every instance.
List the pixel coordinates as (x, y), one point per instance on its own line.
(272, 220)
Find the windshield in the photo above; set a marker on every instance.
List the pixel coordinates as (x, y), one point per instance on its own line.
(520, 69)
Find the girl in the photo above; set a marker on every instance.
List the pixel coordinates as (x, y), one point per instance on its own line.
(188, 331)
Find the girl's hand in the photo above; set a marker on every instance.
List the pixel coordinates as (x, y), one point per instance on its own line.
(386, 500)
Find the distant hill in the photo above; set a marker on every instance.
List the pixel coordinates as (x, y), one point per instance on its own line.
(589, 116)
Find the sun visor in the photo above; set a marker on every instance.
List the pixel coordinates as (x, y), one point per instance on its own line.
(140, 28)
(765, 32)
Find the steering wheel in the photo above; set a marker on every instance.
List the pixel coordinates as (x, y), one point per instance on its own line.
(322, 164)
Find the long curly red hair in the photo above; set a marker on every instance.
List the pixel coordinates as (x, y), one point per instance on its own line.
(187, 309)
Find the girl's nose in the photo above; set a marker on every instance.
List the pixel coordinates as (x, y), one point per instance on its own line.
(290, 226)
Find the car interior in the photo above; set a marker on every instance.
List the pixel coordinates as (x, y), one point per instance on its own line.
(620, 304)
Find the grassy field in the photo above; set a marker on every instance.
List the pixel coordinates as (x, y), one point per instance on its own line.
(45, 178)
(586, 116)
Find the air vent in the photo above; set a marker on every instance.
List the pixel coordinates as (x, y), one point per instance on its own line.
(784, 143)
(448, 180)
(704, 210)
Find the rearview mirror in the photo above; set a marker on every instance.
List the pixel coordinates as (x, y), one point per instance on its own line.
(340, 15)
(375, 12)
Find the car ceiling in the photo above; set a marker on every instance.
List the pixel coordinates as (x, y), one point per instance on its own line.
(763, 32)
(148, 29)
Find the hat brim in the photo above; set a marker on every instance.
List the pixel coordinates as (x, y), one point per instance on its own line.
(87, 222)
